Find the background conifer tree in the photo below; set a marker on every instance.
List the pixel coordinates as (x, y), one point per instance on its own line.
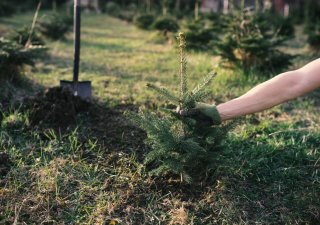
(250, 42)
(14, 56)
(179, 145)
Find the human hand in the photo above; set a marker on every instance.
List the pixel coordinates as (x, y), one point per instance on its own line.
(203, 112)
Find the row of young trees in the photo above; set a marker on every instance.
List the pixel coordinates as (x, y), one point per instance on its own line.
(308, 9)
(251, 38)
(8, 7)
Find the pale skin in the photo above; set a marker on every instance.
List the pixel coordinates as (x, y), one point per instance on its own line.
(280, 89)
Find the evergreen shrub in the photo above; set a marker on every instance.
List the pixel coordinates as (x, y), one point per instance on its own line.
(218, 20)
(281, 26)
(144, 21)
(132, 7)
(180, 146)
(166, 24)
(126, 15)
(200, 35)
(314, 41)
(252, 44)
(56, 26)
(112, 9)
(285, 28)
(13, 57)
(21, 36)
(311, 16)
(6, 8)
(314, 37)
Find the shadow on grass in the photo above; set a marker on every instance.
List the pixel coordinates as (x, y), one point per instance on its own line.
(268, 176)
(271, 176)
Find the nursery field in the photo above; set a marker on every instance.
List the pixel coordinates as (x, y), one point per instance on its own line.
(83, 163)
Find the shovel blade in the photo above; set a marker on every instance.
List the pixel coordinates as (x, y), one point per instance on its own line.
(83, 88)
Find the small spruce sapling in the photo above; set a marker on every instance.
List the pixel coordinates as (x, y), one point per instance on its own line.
(180, 146)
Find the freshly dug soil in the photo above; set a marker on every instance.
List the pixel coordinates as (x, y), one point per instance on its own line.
(5, 164)
(57, 106)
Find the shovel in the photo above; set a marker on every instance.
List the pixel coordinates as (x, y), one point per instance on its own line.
(83, 88)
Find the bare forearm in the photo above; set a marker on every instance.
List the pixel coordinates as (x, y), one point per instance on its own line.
(263, 96)
(280, 89)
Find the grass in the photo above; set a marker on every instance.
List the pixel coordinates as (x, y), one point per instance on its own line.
(91, 171)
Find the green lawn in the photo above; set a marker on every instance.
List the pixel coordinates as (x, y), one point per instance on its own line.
(91, 171)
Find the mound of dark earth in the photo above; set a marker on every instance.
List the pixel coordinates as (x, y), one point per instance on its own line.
(59, 108)
(56, 106)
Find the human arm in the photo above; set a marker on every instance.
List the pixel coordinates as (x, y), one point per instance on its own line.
(277, 90)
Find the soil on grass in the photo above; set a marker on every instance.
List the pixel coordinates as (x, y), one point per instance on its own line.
(58, 108)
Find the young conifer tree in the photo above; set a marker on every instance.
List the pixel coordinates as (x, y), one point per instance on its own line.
(250, 42)
(180, 146)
